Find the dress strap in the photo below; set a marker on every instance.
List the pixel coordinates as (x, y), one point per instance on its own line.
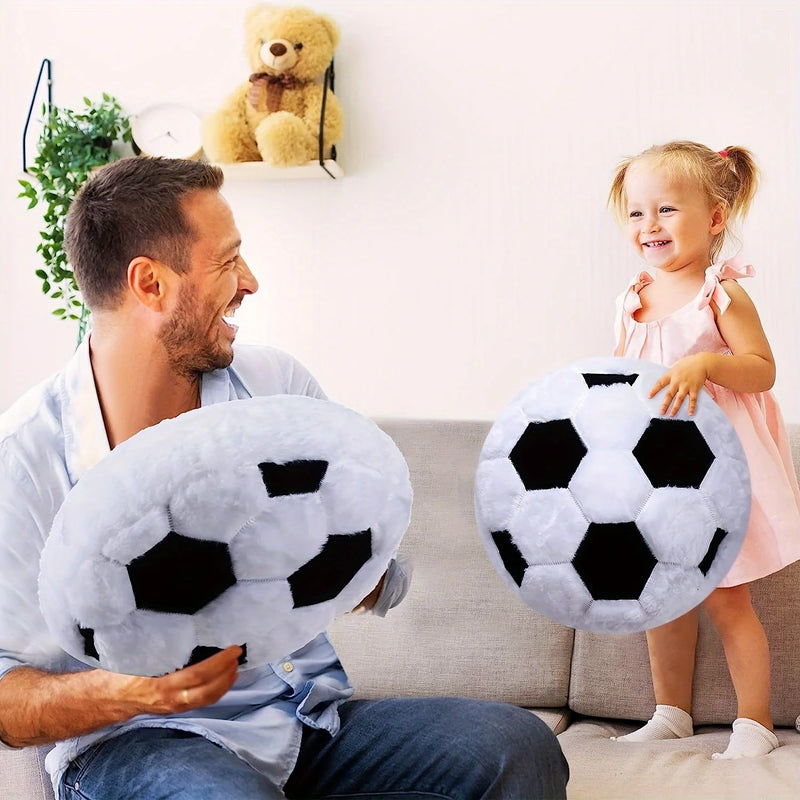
(712, 288)
(630, 304)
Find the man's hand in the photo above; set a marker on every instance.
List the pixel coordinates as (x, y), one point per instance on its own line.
(368, 603)
(391, 589)
(684, 379)
(200, 685)
(42, 707)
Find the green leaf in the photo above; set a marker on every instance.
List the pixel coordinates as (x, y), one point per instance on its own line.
(66, 153)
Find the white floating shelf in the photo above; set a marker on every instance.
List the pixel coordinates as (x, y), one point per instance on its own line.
(259, 171)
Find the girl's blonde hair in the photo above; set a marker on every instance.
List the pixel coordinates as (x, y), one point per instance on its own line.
(729, 177)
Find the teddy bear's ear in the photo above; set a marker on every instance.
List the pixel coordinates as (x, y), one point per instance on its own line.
(331, 27)
(257, 11)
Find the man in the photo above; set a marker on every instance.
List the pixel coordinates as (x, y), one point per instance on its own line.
(157, 256)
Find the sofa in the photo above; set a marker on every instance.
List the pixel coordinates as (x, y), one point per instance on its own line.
(461, 631)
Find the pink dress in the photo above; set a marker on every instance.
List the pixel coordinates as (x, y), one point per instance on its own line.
(773, 534)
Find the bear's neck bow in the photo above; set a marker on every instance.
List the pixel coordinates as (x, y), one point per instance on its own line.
(266, 90)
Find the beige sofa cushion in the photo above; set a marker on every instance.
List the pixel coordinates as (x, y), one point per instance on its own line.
(679, 769)
(461, 630)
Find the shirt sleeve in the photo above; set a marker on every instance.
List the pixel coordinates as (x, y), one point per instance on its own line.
(266, 371)
(26, 512)
(301, 381)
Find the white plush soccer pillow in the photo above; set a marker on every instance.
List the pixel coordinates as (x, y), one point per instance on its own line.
(252, 522)
(602, 514)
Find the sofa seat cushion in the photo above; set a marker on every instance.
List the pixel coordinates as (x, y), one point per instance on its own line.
(461, 630)
(679, 768)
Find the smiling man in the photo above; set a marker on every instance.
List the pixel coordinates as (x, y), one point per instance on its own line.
(156, 253)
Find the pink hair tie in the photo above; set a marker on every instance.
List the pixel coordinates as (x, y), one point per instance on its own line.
(723, 153)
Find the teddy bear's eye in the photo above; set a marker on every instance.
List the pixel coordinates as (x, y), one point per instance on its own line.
(298, 46)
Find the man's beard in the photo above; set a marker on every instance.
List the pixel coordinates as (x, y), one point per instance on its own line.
(189, 350)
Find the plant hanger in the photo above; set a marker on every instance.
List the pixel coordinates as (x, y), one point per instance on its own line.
(46, 65)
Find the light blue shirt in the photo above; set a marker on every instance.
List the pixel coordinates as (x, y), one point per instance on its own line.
(48, 439)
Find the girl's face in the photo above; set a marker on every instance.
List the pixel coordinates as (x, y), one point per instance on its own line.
(670, 222)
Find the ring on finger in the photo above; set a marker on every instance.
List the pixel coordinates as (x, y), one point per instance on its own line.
(185, 697)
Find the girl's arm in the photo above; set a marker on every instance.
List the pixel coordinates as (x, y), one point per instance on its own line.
(751, 368)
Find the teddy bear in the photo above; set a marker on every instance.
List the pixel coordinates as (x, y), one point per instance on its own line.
(275, 116)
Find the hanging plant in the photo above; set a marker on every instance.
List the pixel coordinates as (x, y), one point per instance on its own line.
(71, 145)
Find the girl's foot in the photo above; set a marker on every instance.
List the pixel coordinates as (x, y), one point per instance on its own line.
(749, 739)
(669, 722)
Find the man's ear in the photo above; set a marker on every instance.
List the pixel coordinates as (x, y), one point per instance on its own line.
(148, 282)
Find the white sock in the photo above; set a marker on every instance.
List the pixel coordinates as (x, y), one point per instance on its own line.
(669, 722)
(749, 739)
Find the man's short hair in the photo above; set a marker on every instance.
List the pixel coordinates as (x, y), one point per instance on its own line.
(127, 209)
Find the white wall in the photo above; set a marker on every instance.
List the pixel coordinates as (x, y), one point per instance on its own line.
(468, 249)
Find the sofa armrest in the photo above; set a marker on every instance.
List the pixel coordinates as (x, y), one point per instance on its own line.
(22, 774)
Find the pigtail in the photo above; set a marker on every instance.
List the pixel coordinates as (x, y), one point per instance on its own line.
(616, 195)
(742, 167)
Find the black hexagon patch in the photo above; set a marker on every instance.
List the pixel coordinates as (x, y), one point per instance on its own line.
(673, 452)
(614, 561)
(711, 553)
(180, 575)
(200, 653)
(512, 558)
(292, 477)
(547, 454)
(325, 575)
(89, 648)
(608, 379)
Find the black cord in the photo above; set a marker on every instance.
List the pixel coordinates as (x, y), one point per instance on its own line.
(328, 77)
(45, 63)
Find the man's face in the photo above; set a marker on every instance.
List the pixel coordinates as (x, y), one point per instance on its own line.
(198, 335)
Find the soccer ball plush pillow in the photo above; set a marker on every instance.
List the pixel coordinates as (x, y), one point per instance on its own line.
(603, 514)
(252, 522)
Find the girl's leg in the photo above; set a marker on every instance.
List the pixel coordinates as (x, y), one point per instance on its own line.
(672, 648)
(747, 653)
(746, 649)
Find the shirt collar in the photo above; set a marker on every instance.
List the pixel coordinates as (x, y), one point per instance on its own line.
(85, 437)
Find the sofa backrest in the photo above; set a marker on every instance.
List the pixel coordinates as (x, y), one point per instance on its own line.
(461, 630)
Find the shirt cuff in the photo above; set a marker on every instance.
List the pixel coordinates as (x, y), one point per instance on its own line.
(395, 585)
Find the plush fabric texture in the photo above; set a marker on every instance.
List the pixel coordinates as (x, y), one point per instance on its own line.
(599, 512)
(253, 522)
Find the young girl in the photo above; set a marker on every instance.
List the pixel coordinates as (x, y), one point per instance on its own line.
(690, 314)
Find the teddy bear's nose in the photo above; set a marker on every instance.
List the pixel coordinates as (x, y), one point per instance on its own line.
(277, 49)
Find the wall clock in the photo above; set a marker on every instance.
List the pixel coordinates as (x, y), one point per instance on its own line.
(169, 130)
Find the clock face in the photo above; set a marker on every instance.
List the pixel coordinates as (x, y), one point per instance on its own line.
(168, 130)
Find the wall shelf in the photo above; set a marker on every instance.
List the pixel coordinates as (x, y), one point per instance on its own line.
(259, 171)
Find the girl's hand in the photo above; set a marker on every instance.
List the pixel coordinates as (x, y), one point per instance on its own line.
(684, 379)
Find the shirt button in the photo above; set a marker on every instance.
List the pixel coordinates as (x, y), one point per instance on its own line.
(288, 666)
